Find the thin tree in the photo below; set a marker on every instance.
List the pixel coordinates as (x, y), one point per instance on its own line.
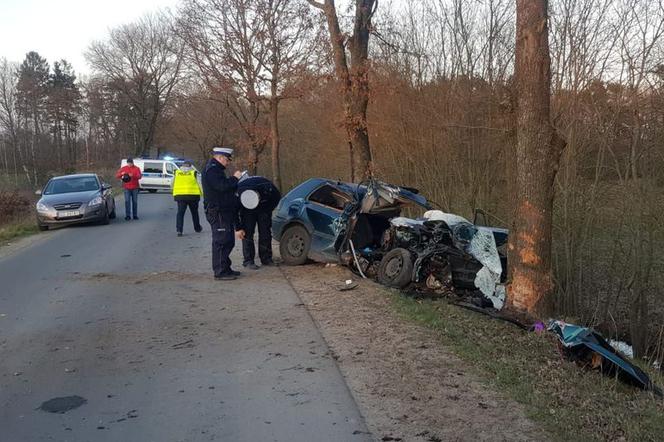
(8, 118)
(538, 153)
(64, 106)
(353, 77)
(251, 52)
(226, 45)
(31, 92)
(292, 45)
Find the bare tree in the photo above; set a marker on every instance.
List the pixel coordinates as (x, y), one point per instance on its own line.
(8, 76)
(251, 53)
(199, 121)
(292, 40)
(537, 157)
(226, 44)
(353, 76)
(142, 60)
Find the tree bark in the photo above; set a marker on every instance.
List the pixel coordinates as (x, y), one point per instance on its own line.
(354, 80)
(274, 135)
(537, 158)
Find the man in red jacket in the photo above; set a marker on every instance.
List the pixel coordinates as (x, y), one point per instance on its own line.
(130, 175)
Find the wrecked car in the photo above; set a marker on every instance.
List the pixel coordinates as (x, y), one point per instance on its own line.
(361, 226)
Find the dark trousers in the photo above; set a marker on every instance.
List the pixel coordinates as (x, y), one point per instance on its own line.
(182, 208)
(223, 239)
(131, 202)
(252, 218)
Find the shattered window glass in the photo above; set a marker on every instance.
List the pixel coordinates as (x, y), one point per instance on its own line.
(330, 197)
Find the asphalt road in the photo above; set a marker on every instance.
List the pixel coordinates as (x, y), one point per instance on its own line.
(128, 317)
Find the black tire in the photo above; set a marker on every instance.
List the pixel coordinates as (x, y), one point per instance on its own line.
(152, 190)
(42, 228)
(294, 246)
(112, 214)
(396, 268)
(106, 219)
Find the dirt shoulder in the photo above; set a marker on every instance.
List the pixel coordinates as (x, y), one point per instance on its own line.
(408, 385)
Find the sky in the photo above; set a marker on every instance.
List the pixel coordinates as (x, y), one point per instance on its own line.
(65, 28)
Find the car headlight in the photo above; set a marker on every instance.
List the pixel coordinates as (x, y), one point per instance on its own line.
(42, 208)
(96, 201)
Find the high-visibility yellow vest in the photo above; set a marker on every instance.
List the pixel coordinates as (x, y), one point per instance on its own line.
(184, 183)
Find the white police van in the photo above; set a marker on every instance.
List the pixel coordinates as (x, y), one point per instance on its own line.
(157, 174)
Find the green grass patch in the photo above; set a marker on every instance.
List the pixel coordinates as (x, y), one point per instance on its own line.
(567, 401)
(16, 229)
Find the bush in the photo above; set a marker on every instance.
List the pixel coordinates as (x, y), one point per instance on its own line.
(12, 205)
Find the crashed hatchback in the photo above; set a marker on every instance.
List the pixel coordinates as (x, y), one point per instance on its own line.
(361, 226)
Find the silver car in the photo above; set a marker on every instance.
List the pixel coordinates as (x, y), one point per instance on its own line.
(74, 199)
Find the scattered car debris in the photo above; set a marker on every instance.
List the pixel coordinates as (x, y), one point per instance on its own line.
(622, 347)
(589, 349)
(348, 285)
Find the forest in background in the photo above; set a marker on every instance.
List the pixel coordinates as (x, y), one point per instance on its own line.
(441, 118)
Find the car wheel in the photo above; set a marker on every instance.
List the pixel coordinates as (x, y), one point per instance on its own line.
(106, 219)
(294, 246)
(396, 268)
(112, 214)
(42, 228)
(152, 190)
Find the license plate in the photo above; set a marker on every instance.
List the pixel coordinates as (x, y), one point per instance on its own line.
(68, 213)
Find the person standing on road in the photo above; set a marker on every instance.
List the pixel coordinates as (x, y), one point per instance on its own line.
(130, 174)
(221, 205)
(259, 197)
(187, 193)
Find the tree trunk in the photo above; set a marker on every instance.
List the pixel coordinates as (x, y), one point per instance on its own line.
(354, 81)
(537, 157)
(274, 133)
(252, 162)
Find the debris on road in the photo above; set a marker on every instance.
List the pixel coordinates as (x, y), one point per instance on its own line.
(348, 285)
(189, 343)
(62, 404)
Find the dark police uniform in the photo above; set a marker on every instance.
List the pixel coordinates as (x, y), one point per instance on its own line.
(221, 205)
(262, 216)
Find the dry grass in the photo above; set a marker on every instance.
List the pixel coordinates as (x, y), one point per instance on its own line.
(572, 404)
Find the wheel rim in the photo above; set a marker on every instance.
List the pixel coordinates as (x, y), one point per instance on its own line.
(393, 267)
(296, 246)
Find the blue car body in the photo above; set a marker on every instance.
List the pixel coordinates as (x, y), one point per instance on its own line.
(327, 223)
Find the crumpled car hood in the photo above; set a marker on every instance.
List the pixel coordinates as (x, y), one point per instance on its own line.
(479, 242)
(382, 197)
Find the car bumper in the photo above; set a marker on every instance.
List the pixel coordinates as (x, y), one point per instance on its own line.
(90, 214)
(277, 227)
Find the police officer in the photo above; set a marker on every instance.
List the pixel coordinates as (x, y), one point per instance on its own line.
(187, 193)
(221, 205)
(259, 196)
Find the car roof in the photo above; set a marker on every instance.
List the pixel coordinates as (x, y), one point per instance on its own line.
(75, 175)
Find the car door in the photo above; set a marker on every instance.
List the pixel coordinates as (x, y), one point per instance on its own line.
(324, 208)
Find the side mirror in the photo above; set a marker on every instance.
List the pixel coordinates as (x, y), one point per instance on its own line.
(38, 192)
(105, 186)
